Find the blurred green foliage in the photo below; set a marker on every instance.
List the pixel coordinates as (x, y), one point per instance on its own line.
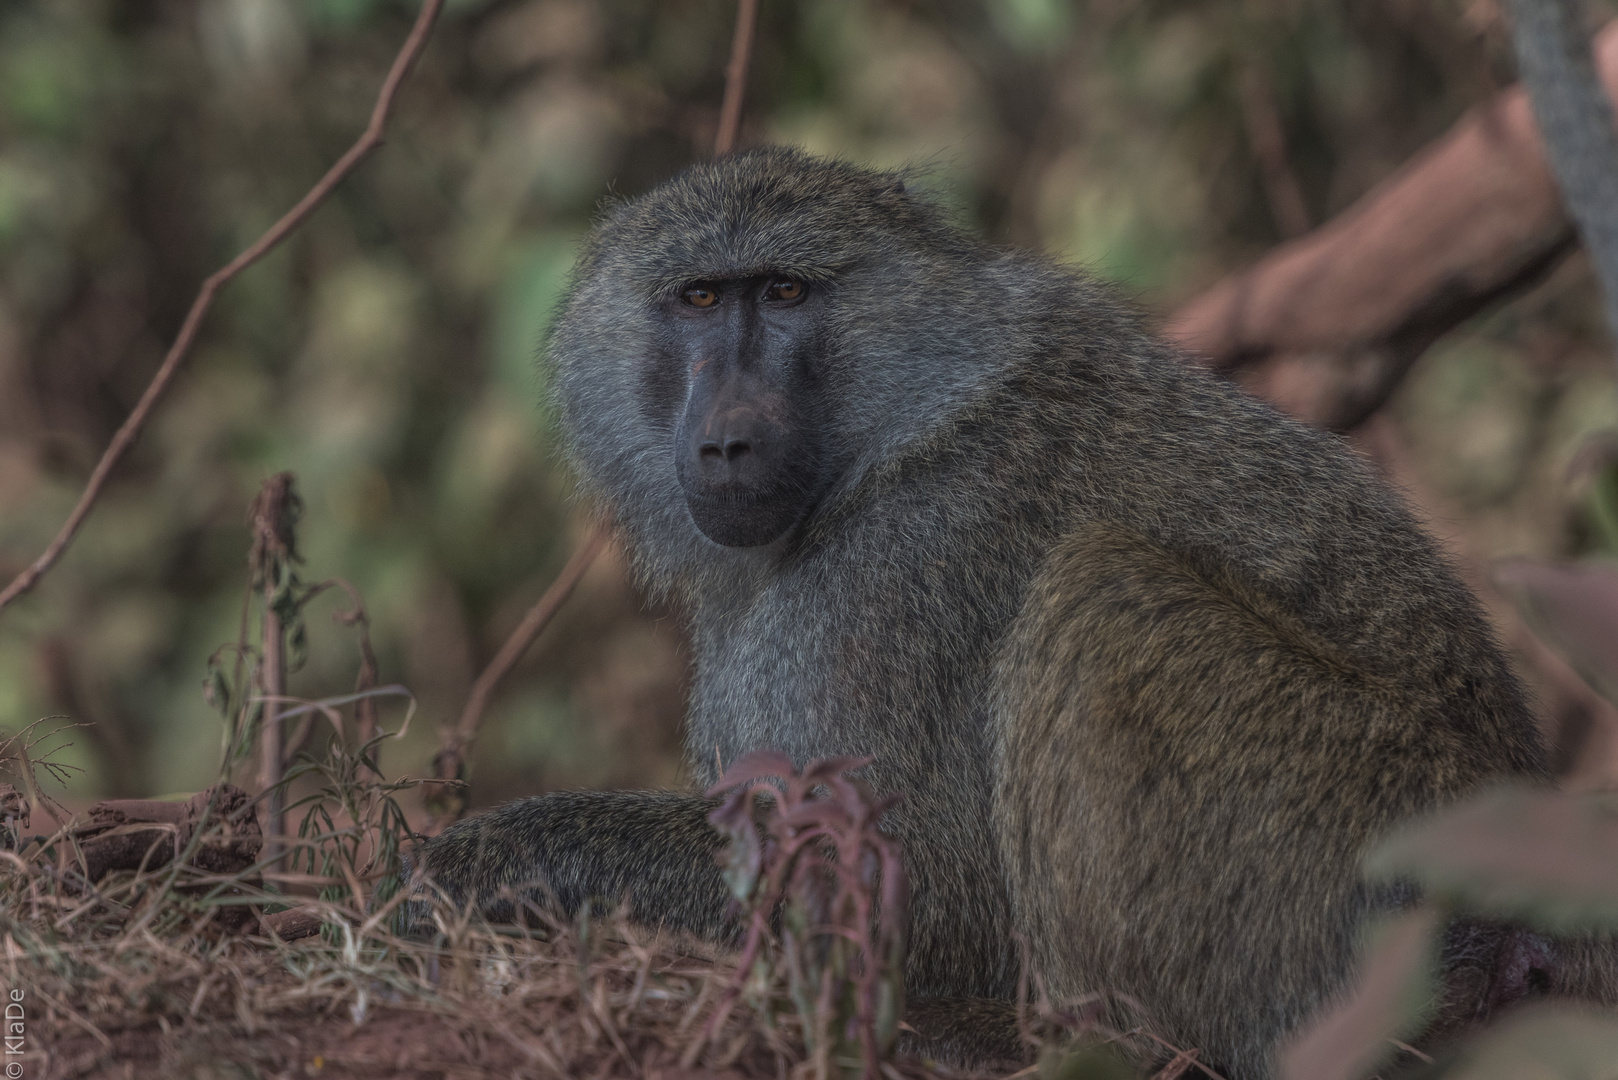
(385, 354)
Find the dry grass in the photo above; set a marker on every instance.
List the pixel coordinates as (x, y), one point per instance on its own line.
(614, 1003)
(169, 971)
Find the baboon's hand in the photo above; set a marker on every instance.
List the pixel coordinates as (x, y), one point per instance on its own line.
(654, 850)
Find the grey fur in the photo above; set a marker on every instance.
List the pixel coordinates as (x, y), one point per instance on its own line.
(1150, 663)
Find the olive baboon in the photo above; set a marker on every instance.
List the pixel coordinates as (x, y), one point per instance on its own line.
(1150, 663)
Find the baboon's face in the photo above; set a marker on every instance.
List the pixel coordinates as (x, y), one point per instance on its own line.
(738, 365)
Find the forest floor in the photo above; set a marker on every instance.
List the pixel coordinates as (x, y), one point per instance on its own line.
(253, 1007)
(141, 940)
(490, 1005)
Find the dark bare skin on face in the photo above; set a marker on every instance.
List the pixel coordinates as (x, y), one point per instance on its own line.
(1151, 665)
(746, 446)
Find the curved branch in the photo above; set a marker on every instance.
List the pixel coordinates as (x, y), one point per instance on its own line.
(450, 761)
(125, 437)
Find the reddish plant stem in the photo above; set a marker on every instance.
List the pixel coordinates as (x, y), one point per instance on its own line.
(271, 733)
(131, 429)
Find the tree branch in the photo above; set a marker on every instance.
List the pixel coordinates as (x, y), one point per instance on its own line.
(450, 762)
(131, 428)
(1326, 326)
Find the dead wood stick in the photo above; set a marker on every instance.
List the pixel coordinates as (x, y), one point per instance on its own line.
(113, 838)
(131, 428)
(293, 923)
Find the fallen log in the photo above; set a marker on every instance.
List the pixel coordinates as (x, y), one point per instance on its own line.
(293, 923)
(115, 839)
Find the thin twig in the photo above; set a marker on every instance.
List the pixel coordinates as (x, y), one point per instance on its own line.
(1417, 1054)
(447, 765)
(1267, 137)
(449, 803)
(126, 435)
(741, 51)
(538, 617)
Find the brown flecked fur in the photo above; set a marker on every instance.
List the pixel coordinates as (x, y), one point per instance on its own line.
(1150, 664)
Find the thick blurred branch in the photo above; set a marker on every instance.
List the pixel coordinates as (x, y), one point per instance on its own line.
(125, 437)
(1576, 119)
(1327, 325)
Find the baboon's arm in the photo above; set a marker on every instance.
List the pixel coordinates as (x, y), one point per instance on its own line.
(655, 849)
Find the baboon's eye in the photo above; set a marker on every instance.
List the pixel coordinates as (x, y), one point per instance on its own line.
(700, 295)
(784, 289)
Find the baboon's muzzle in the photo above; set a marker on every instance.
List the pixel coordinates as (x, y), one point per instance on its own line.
(744, 461)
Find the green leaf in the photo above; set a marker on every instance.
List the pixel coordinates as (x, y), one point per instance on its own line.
(216, 689)
(1542, 1043)
(1086, 1063)
(1548, 858)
